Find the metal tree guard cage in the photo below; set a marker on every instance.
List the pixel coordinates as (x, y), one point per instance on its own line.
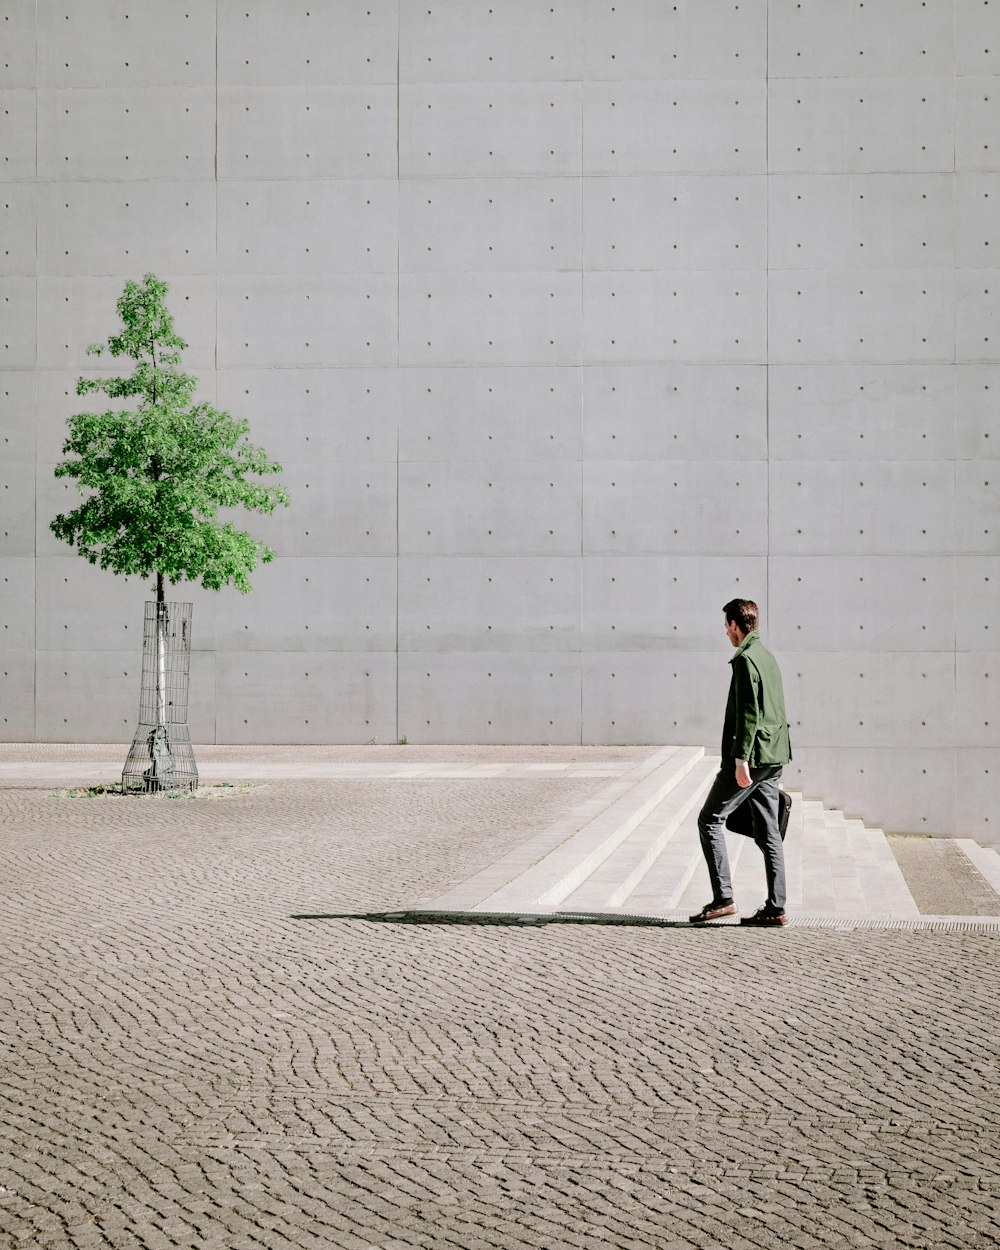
(161, 756)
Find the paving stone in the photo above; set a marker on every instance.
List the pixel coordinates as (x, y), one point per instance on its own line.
(187, 1063)
(942, 878)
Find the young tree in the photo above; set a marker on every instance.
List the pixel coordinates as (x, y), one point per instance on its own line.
(156, 475)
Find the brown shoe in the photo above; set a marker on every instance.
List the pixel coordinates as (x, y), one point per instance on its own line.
(714, 911)
(764, 917)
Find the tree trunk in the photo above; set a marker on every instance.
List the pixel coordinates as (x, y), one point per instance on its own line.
(161, 769)
(161, 757)
(161, 653)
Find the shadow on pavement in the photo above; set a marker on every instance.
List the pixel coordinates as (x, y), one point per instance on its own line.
(943, 924)
(522, 919)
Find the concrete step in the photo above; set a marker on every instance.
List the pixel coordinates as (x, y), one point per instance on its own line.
(664, 885)
(613, 882)
(549, 881)
(563, 850)
(816, 888)
(635, 850)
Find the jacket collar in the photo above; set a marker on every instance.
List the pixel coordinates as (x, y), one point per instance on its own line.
(753, 636)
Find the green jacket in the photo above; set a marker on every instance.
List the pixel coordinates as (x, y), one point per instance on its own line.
(756, 727)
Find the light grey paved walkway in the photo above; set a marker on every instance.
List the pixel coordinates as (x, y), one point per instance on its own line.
(211, 1036)
(34, 764)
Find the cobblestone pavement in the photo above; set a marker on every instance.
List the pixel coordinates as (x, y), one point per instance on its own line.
(187, 1062)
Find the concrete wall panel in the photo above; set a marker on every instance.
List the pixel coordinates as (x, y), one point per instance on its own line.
(645, 38)
(977, 315)
(307, 132)
(977, 50)
(289, 697)
(52, 496)
(17, 323)
(977, 236)
(17, 229)
(977, 120)
(17, 695)
(271, 43)
(909, 788)
(336, 510)
(81, 607)
(878, 604)
(649, 696)
(104, 227)
(154, 45)
(17, 509)
(861, 412)
(313, 604)
(976, 772)
(861, 125)
(485, 130)
(458, 225)
(977, 699)
(683, 222)
(642, 508)
(18, 146)
(335, 227)
(843, 41)
(977, 513)
(875, 315)
(977, 389)
(657, 127)
(348, 319)
(977, 602)
(74, 312)
(489, 508)
(93, 696)
(18, 67)
(517, 41)
(675, 412)
(682, 316)
(853, 699)
(321, 416)
(858, 508)
(504, 603)
(867, 221)
(495, 318)
(489, 697)
(126, 133)
(664, 603)
(17, 603)
(490, 414)
(17, 416)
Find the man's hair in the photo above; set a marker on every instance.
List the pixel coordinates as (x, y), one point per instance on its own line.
(742, 612)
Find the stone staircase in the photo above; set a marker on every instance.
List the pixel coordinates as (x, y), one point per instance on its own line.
(634, 851)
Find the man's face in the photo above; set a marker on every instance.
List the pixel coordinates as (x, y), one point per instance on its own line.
(734, 633)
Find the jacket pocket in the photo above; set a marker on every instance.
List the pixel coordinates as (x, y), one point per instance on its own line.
(771, 745)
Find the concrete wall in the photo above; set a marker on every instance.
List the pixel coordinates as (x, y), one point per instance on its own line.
(569, 321)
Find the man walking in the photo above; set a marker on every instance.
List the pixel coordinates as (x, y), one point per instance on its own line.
(755, 746)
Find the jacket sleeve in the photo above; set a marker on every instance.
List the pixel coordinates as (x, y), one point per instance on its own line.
(746, 682)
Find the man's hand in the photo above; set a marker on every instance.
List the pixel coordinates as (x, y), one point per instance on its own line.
(743, 778)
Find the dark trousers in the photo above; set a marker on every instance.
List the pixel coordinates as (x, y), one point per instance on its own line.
(723, 799)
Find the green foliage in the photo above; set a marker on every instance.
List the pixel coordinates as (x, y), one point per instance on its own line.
(156, 477)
